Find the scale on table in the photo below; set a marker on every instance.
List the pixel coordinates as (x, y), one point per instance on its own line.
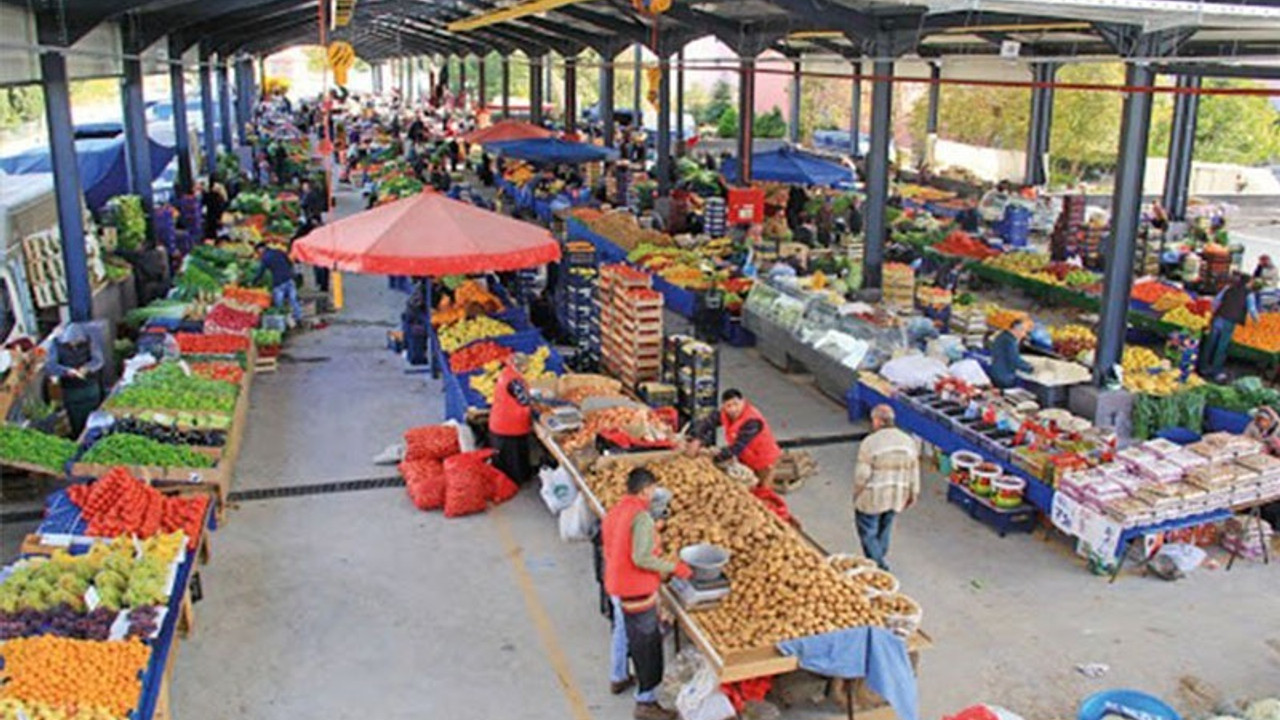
(708, 586)
(562, 419)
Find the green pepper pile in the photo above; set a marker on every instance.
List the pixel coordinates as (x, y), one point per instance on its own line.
(126, 449)
(35, 448)
(169, 388)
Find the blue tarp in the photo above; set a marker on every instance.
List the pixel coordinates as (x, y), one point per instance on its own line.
(103, 173)
(793, 167)
(553, 151)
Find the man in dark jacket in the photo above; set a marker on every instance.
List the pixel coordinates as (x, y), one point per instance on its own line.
(150, 271)
(76, 362)
(1006, 357)
(283, 288)
(314, 206)
(1233, 306)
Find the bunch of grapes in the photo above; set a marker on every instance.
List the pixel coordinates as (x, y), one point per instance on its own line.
(61, 621)
(143, 621)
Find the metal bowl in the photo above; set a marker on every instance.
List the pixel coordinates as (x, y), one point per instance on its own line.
(707, 560)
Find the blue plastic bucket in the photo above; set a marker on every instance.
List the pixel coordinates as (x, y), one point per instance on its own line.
(1126, 703)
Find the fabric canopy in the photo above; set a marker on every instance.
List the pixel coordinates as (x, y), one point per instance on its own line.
(103, 169)
(427, 235)
(551, 151)
(793, 167)
(507, 130)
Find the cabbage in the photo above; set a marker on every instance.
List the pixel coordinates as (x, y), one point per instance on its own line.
(1266, 709)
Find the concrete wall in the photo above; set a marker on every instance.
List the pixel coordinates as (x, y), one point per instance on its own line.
(987, 163)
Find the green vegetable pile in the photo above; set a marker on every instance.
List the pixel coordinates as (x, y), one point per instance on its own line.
(169, 388)
(267, 338)
(1243, 395)
(207, 269)
(35, 448)
(126, 449)
(1153, 412)
(130, 221)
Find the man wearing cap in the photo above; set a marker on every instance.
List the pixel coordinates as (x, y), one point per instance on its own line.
(76, 363)
(633, 572)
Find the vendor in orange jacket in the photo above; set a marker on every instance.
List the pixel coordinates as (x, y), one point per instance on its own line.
(633, 571)
(511, 422)
(747, 433)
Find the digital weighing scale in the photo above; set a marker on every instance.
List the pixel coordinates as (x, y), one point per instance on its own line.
(696, 594)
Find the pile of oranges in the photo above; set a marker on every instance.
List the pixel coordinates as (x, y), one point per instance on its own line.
(66, 673)
(1263, 335)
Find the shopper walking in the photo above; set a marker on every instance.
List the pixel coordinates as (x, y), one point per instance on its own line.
(633, 572)
(749, 437)
(1006, 356)
(315, 204)
(511, 422)
(283, 289)
(886, 481)
(1233, 306)
(76, 363)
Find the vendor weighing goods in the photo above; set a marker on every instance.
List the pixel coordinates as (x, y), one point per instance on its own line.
(708, 585)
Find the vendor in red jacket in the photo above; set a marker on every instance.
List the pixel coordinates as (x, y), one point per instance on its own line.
(747, 433)
(511, 422)
(633, 572)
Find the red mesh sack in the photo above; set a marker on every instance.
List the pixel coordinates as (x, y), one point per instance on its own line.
(431, 442)
(467, 483)
(501, 487)
(425, 482)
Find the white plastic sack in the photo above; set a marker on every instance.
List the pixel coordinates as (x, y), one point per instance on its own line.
(701, 698)
(466, 438)
(1185, 557)
(971, 372)
(135, 365)
(558, 490)
(577, 522)
(912, 371)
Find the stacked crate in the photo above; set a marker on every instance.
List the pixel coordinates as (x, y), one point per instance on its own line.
(970, 323)
(630, 325)
(1065, 240)
(579, 276)
(693, 367)
(899, 283)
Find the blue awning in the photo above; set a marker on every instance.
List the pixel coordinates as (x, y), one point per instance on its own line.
(103, 173)
(793, 167)
(553, 151)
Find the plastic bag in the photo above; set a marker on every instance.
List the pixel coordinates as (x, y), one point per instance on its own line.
(971, 372)
(577, 522)
(912, 371)
(424, 480)
(467, 484)
(431, 442)
(701, 698)
(558, 491)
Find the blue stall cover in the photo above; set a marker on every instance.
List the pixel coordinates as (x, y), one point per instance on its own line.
(553, 151)
(103, 173)
(793, 167)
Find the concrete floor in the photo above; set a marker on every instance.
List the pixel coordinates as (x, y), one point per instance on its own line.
(355, 605)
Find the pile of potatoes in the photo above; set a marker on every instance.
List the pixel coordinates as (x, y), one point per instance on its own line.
(782, 587)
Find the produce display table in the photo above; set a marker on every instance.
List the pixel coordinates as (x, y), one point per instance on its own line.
(862, 397)
(178, 623)
(729, 666)
(681, 300)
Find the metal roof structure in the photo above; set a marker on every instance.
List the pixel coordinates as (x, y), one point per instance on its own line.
(1192, 30)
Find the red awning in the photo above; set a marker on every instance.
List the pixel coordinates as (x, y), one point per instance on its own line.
(427, 235)
(507, 130)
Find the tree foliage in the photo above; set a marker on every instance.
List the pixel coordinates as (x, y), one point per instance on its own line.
(771, 125)
(721, 100)
(727, 125)
(1240, 129)
(19, 105)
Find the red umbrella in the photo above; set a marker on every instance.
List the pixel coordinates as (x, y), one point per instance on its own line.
(427, 235)
(507, 130)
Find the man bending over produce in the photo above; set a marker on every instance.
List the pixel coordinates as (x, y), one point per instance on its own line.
(283, 288)
(747, 432)
(1006, 357)
(76, 363)
(633, 571)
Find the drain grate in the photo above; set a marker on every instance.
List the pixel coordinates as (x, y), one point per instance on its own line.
(821, 440)
(21, 516)
(332, 488)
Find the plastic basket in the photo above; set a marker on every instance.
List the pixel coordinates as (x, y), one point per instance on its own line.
(1126, 703)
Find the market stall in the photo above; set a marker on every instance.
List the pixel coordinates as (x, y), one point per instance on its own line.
(792, 166)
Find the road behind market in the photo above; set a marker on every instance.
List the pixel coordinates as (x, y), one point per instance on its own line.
(355, 605)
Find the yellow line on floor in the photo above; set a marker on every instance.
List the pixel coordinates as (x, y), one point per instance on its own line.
(541, 620)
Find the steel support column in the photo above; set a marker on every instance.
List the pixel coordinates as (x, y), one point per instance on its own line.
(931, 119)
(243, 93)
(1182, 142)
(207, 114)
(181, 135)
(66, 182)
(376, 72)
(137, 150)
(462, 80)
(797, 86)
(224, 96)
(482, 77)
(549, 82)
(662, 145)
(535, 89)
(682, 140)
(506, 86)
(855, 114)
(1038, 130)
(637, 108)
(877, 187)
(570, 93)
(746, 117)
(1126, 207)
(607, 101)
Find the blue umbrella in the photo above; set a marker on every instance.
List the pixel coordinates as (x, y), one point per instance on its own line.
(793, 167)
(553, 151)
